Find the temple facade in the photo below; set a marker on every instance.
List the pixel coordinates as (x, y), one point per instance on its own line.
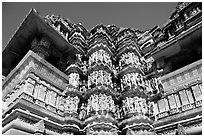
(59, 78)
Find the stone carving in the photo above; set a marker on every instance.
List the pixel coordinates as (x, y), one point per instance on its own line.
(124, 35)
(61, 25)
(100, 102)
(100, 77)
(79, 58)
(29, 88)
(53, 95)
(91, 131)
(100, 56)
(84, 67)
(42, 92)
(182, 5)
(82, 114)
(36, 90)
(39, 127)
(71, 104)
(131, 81)
(180, 130)
(129, 59)
(135, 105)
(74, 79)
(118, 114)
(41, 47)
(83, 88)
(45, 93)
(48, 74)
(154, 86)
(139, 132)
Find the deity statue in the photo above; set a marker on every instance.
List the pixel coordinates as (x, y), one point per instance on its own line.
(131, 108)
(88, 107)
(82, 114)
(136, 105)
(151, 108)
(74, 79)
(117, 114)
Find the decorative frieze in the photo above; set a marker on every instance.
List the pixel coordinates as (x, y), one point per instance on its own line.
(27, 97)
(154, 86)
(50, 75)
(71, 104)
(135, 105)
(132, 81)
(100, 102)
(91, 131)
(99, 77)
(139, 132)
(129, 59)
(100, 56)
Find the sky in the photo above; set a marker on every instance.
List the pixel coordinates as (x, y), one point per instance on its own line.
(136, 15)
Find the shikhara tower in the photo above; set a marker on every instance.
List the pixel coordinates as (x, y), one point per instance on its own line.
(67, 80)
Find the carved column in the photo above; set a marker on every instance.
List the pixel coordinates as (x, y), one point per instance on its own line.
(41, 47)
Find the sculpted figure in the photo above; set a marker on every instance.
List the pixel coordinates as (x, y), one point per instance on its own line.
(137, 105)
(100, 102)
(82, 114)
(131, 105)
(88, 106)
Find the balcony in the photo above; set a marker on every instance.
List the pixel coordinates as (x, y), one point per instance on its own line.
(181, 100)
(180, 78)
(35, 85)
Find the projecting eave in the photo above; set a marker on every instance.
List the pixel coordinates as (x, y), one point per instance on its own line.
(176, 44)
(33, 25)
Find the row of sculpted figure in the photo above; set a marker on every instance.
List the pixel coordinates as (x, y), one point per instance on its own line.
(154, 84)
(91, 131)
(132, 80)
(100, 56)
(100, 102)
(71, 104)
(74, 79)
(129, 59)
(135, 105)
(99, 77)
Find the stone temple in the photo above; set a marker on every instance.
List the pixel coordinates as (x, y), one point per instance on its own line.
(59, 78)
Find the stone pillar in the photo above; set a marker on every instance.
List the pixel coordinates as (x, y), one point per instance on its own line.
(41, 47)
